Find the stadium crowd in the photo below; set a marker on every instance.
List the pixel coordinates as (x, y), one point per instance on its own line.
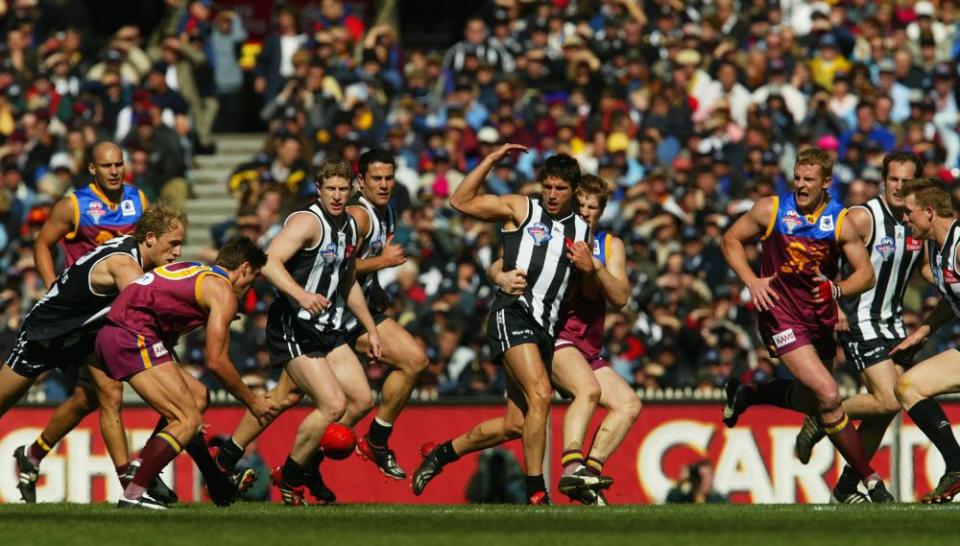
(690, 110)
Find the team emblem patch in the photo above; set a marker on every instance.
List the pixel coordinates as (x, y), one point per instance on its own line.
(329, 253)
(596, 248)
(159, 350)
(376, 245)
(913, 245)
(784, 338)
(826, 223)
(96, 211)
(540, 233)
(127, 208)
(792, 220)
(886, 248)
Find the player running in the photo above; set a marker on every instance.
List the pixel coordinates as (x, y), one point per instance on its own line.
(871, 324)
(803, 234)
(538, 238)
(376, 221)
(929, 214)
(105, 209)
(134, 345)
(59, 331)
(577, 366)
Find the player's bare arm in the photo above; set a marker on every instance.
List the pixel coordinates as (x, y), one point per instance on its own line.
(862, 278)
(60, 223)
(511, 282)
(391, 256)
(748, 227)
(115, 273)
(510, 209)
(861, 220)
(218, 296)
(358, 306)
(612, 278)
(301, 230)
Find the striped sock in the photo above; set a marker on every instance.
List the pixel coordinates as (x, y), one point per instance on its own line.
(847, 442)
(572, 460)
(159, 451)
(38, 450)
(595, 465)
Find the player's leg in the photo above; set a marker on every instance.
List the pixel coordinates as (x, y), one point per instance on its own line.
(524, 364)
(571, 373)
(12, 388)
(81, 402)
(110, 399)
(284, 395)
(163, 388)
(805, 364)
(623, 408)
(316, 379)
(489, 433)
(936, 375)
(408, 360)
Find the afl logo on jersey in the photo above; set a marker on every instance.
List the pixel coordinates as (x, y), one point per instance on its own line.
(96, 211)
(127, 208)
(376, 245)
(791, 221)
(540, 233)
(329, 253)
(886, 248)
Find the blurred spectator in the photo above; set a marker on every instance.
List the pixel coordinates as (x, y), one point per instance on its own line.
(227, 35)
(696, 486)
(275, 63)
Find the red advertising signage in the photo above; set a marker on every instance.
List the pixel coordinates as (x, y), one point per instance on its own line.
(754, 461)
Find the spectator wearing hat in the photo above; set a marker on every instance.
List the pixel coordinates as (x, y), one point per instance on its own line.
(827, 62)
(928, 27)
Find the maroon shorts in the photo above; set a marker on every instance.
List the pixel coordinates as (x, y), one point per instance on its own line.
(590, 353)
(781, 338)
(124, 353)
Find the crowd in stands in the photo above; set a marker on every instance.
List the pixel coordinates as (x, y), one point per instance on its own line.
(691, 110)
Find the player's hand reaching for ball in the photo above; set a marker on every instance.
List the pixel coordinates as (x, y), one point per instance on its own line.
(762, 295)
(313, 303)
(376, 349)
(512, 282)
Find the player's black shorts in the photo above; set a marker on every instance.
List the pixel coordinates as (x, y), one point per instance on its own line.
(353, 334)
(289, 337)
(513, 325)
(865, 353)
(32, 358)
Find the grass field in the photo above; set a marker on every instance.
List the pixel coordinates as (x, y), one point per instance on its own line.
(395, 525)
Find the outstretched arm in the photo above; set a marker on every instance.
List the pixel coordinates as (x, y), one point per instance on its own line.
(755, 222)
(488, 208)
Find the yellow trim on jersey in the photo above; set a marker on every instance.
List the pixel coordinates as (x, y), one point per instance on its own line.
(812, 218)
(144, 355)
(840, 217)
(607, 241)
(198, 291)
(773, 218)
(184, 273)
(76, 216)
(102, 196)
(144, 202)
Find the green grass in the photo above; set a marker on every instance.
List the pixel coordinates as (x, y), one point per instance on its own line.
(398, 525)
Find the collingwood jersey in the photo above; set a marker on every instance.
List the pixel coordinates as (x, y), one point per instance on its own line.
(539, 247)
(382, 227)
(72, 304)
(943, 266)
(321, 268)
(894, 254)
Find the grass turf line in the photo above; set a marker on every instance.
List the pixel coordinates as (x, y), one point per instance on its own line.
(400, 525)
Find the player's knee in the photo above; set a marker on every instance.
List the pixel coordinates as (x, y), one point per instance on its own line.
(539, 397)
(333, 408)
(829, 400)
(202, 398)
(111, 396)
(362, 404)
(416, 362)
(192, 421)
(513, 428)
(589, 392)
(889, 404)
(629, 407)
(906, 391)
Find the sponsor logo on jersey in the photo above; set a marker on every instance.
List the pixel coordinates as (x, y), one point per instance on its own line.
(826, 223)
(913, 245)
(886, 247)
(784, 338)
(159, 350)
(349, 251)
(329, 253)
(792, 220)
(540, 233)
(96, 211)
(127, 208)
(950, 276)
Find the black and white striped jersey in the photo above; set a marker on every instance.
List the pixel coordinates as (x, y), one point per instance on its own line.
(72, 304)
(894, 254)
(321, 268)
(539, 247)
(382, 226)
(943, 264)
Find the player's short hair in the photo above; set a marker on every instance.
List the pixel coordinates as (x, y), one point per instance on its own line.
(239, 250)
(930, 192)
(333, 167)
(560, 166)
(159, 220)
(376, 155)
(818, 157)
(901, 157)
(591, 184)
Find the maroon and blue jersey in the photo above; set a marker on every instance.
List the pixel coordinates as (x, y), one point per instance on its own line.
(97, 219)
(165, 303)
(798, 248)
(582, 315)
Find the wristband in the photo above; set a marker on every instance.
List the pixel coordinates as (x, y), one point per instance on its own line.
(829, 290)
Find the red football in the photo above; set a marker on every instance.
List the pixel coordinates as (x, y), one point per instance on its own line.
(338, 441)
